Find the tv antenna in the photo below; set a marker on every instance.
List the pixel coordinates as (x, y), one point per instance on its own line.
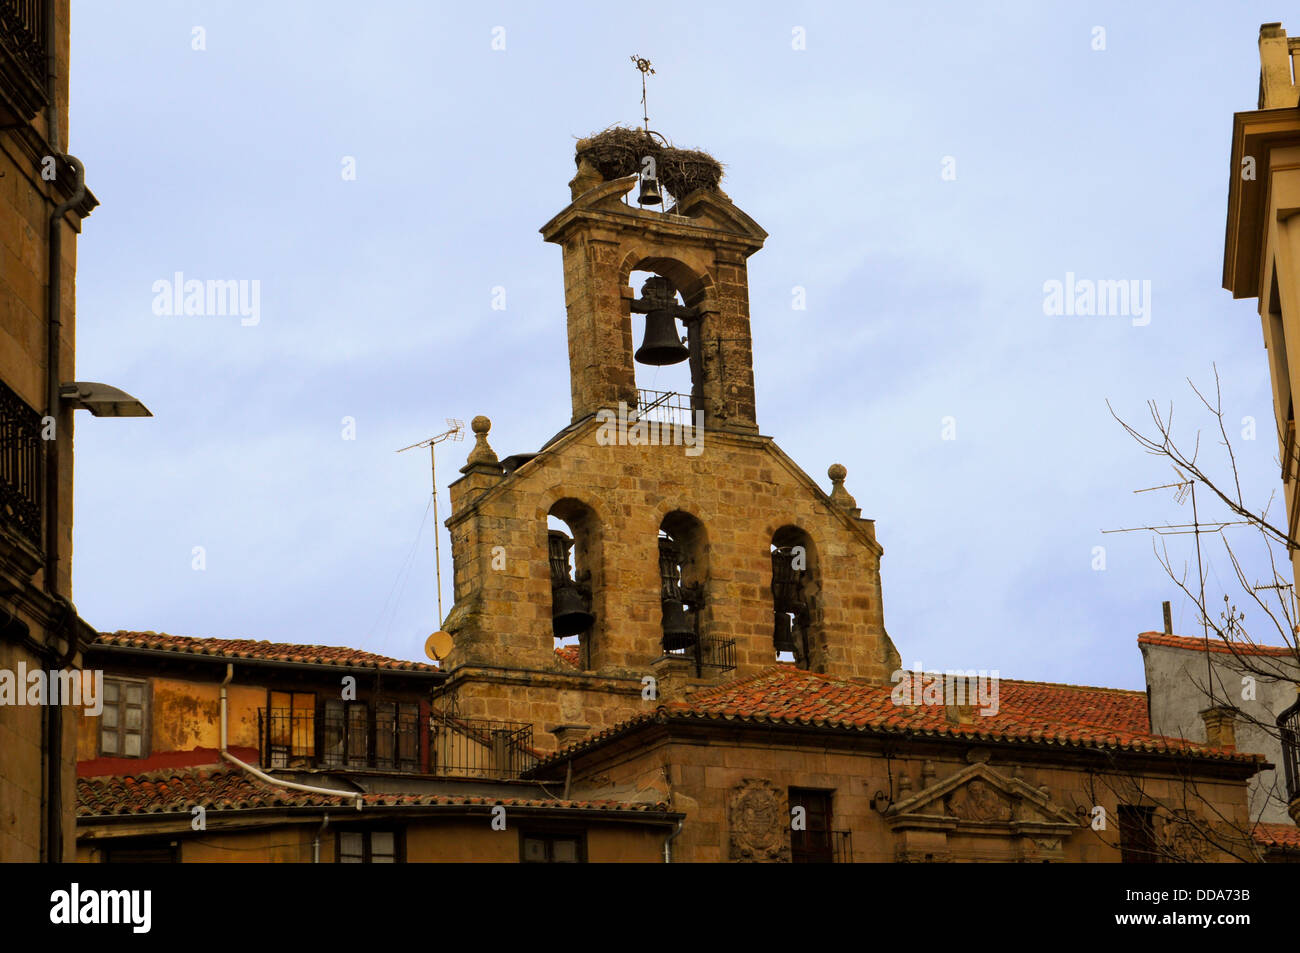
(1184, 488)
(456, 432)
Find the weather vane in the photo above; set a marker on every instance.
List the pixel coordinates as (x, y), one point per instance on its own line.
(644, 66)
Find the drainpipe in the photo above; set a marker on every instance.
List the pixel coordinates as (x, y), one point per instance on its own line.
(315, 844)
(262, 775)
(668, 843)
(65, 627)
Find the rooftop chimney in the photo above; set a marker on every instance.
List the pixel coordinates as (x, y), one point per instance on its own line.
(1169, 620)
(1220, 727)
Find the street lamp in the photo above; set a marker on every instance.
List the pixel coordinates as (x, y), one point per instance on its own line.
(102, 400)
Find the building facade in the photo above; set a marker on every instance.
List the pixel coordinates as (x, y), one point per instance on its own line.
(1228, 694)
(229, 750)
(1261, 260)
(43, 200)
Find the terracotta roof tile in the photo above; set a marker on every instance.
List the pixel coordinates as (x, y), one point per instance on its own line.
(1284, 836)
(570, 654)
(261, 651)
(1214, 645)
(230, 789)
(1040, 712)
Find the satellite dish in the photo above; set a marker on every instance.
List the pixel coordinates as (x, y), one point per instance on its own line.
(438, 645)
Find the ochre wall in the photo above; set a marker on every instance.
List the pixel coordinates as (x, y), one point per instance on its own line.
(449, 840)
(184, 715)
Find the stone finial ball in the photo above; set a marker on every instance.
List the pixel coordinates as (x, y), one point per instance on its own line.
(480, 424)
(837, 472)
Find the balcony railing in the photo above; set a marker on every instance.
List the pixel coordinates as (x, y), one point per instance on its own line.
(384, 737)
(392, 737)
(709, 652)
(479, 748)
(22, 54)
(1288, 724)
(821, 847)
(21, 467)
(665, 407)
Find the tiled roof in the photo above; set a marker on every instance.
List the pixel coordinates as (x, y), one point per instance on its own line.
(261, 651)
(1073, 716)
(1283, 836)
(231, 789)
(570, 654)
(1214, 645)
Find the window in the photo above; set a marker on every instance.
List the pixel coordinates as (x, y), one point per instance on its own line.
(370, 847)
(812, 845)
(291, 727)
(123, 724)
(353, 731)
(1137, 836)
(549, 848)
(397, 727)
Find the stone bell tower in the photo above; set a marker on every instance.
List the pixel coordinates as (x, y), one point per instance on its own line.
(701, 246)
(695, 550)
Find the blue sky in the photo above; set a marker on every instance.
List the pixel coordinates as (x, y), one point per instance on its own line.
(924, 295)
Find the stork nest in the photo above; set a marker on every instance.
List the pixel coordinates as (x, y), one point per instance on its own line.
(617, 152)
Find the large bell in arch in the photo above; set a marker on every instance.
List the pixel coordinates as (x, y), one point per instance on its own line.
(679, 626)
(569, 612)
(662, 345)
(570, 606)
(678, 621)
(783, 637)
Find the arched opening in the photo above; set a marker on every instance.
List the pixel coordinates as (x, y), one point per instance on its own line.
(662, 365)
(795, 609)
(683, 580)
(573, 544)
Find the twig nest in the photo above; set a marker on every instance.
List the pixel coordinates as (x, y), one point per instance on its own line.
(618, 151)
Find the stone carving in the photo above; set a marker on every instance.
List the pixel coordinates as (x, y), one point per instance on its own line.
(1181, 838)
(756, 815)
(977, 801)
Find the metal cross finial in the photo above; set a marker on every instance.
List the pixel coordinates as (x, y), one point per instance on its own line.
(644, 66)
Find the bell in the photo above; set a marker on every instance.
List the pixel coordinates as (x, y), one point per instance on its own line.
(661, 345)
(679, 627)
(650, 194)
(784, 635)
(569, 612)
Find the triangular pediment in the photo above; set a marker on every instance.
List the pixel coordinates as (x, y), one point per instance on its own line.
(716, 210)
(701, 209)
(981, 798)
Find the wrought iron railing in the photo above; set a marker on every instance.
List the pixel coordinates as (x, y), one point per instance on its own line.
(384, 736)
(1288, 724)
(389, 736)
(709, 652)
(22, 455)
(22, 34)
(665, 407)
(479, 748)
